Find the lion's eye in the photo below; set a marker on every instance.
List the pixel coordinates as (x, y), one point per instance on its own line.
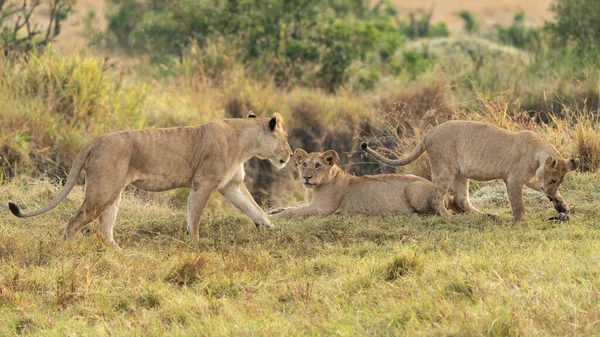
(317, 166)
(304, 165)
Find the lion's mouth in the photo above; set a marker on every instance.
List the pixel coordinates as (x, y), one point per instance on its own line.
(279, 164)
(308, 185)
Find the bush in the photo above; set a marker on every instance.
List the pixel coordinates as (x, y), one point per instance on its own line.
(421, 27)
(519, 35)
(307, 42)
(577, 25)
(471, 25)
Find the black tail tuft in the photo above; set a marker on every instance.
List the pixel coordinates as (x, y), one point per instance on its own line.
(364, 146)
(14, 209)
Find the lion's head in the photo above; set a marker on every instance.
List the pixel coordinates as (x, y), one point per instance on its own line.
(552, 173)
(275, 145)
(315, 168)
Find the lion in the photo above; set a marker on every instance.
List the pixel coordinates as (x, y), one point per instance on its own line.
(463, 150)
(205, 158)
(331, 190)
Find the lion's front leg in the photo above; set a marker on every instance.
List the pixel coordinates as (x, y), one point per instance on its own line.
(308, 210)
(277, 210)
(240, 197)
(559, 203)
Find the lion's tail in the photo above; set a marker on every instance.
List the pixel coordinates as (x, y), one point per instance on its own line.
(76, 168)
(396, 162)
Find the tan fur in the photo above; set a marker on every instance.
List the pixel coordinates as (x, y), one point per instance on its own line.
(331, 190)
(204, 158)
(461, 150)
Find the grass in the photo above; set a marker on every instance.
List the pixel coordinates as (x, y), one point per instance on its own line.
(337, 275)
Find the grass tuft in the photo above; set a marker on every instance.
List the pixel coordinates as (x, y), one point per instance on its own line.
(187, 271)
(404, 265)
(460, 288)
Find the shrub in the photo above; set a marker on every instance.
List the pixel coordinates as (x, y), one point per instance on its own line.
(471, 25)
(291, 42)
(519, 35)
(577, 25)
(422, 27)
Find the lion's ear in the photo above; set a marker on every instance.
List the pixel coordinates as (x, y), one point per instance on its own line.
(299, 156)
(551, 162)
(573, 164)
(251, 114)
(331, 157)
(275, 122)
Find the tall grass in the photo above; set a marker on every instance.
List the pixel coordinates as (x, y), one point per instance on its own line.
(53, 104)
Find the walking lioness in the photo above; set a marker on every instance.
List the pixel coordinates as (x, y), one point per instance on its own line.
(204, 158)
(461, 150)
(331, 190)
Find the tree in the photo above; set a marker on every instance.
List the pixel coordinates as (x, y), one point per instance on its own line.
(18, 30)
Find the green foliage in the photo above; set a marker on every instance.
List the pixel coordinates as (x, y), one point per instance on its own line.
(577, 25)
(416, 62)
(274, 39)
(343, 42)
(519, 35)
(471, 24)
(421, 27)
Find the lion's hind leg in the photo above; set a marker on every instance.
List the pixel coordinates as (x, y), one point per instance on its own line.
(418, 194)
(102, 191)
(460, 188)
(88, 212)
(442, 178)
(107, 222)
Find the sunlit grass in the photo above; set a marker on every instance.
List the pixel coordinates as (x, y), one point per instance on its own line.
(391, 275)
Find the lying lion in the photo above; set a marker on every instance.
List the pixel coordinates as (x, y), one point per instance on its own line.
(331, 190)
(461, 150)
(204, 158)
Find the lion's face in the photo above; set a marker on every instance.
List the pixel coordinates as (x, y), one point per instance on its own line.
(275, 144)
(315, 168)
(553, 172)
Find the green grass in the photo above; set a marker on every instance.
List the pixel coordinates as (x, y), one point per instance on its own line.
(337, 275)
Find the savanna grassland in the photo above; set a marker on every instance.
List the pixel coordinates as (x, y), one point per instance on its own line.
(339, 72)
(338, 275)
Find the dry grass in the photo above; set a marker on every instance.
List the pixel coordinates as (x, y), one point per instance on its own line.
(400, 275)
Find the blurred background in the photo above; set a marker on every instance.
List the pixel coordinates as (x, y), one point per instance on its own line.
(339, 71)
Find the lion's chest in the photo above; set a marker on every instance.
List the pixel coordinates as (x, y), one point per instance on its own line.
(235, 173)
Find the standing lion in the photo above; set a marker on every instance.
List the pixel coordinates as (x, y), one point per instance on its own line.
(462, 150)
(205, 158)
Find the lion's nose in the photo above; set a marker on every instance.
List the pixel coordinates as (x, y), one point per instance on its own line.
(307, 177)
